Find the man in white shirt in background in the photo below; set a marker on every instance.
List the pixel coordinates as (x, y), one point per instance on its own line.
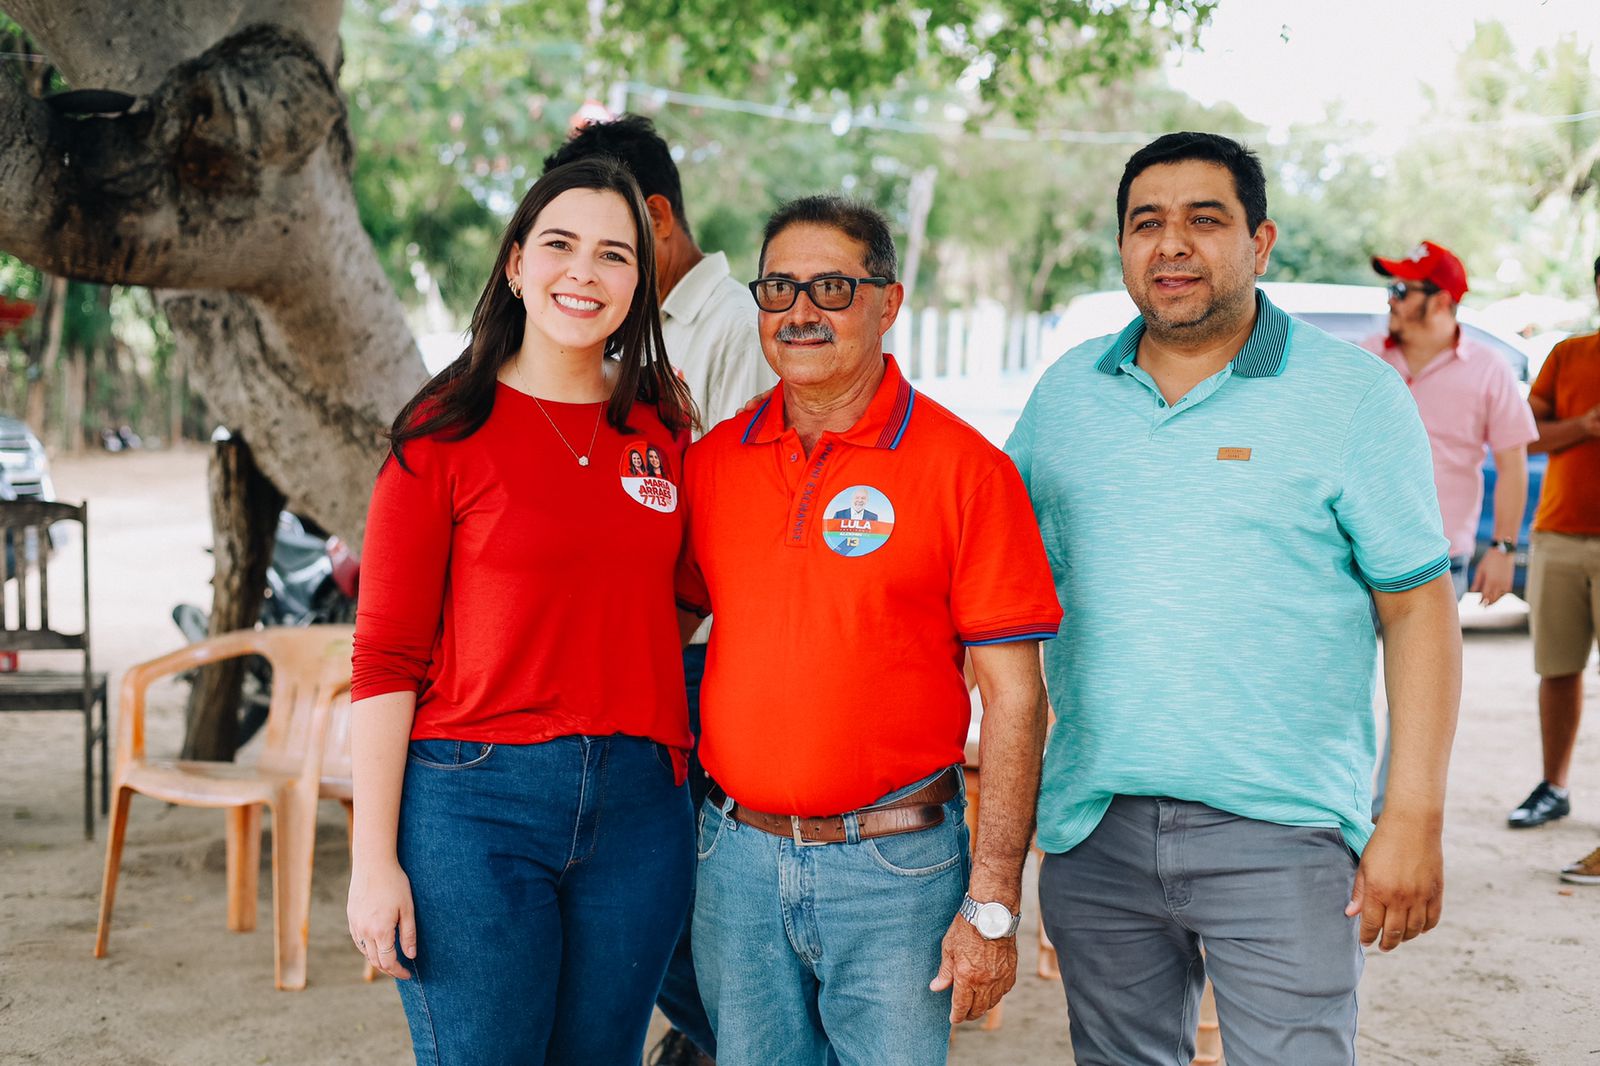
(709, 324)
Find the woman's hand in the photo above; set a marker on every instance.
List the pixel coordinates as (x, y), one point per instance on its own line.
(380, 903)
(756, 401)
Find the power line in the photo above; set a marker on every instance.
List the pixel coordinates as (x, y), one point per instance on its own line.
(844, 119)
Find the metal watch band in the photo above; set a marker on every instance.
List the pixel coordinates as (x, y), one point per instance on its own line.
(969, 910)
(1508, 547)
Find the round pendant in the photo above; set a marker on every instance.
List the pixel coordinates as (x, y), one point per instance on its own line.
(583, 460)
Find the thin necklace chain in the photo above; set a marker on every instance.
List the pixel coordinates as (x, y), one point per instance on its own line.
(583, 460)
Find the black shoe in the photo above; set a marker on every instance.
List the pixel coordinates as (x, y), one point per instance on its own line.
(675, 1049)
(1541, 806)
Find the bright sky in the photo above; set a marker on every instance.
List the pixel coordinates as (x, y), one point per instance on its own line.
(1285, 61)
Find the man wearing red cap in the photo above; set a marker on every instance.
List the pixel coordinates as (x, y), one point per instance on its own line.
(1564, 570)
(1469, 401)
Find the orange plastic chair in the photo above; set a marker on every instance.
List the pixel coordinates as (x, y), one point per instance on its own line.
(310, 672)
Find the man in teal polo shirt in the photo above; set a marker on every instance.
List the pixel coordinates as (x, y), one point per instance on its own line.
(1219, 487)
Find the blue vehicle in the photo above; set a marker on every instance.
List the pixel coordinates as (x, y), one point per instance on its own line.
(1354, 327)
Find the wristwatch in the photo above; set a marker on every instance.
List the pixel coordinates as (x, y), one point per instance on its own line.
(993, 921)
(1504, 547)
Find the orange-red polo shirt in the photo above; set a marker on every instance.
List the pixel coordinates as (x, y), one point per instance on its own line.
(1569, 382)
(846, 585)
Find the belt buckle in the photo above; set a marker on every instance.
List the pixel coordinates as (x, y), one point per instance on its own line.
(799, 841)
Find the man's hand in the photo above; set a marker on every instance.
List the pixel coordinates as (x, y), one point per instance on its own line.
(1591, 421)
(1495, 571)
(981, 970)
(1399, 889)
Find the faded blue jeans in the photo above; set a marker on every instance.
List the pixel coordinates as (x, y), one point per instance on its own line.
(803, 950)
(550, 882)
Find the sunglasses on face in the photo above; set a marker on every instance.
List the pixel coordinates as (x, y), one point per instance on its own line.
(1401, 289)
(830, 292)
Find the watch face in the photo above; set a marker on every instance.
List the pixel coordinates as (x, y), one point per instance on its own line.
(993, 921)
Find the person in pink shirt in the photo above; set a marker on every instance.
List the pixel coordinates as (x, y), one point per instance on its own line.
(1469, 401)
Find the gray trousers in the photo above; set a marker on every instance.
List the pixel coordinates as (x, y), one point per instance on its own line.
(1131, 908)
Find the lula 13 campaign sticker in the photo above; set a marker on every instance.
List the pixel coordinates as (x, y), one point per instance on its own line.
(647, 476)
(858, 521)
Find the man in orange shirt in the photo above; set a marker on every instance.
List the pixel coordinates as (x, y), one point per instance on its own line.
(1564, 569)
(855, 542)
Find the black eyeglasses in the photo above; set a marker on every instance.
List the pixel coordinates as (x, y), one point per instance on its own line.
(1401, 289)
(830, 292)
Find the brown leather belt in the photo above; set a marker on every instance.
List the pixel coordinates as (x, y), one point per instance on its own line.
(921, 809)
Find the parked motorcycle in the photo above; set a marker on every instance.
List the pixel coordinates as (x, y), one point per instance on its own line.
(312, 580)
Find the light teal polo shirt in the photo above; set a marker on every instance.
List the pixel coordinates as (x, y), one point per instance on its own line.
(1214, 559)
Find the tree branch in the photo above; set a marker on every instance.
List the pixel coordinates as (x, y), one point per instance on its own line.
(191, 188)
(112, 44)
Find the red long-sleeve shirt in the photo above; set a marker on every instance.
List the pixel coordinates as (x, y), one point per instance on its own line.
(523, 596)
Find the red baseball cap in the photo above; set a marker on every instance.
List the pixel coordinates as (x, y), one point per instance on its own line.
(1427, 262)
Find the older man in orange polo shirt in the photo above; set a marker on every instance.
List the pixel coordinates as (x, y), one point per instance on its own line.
(856, 541)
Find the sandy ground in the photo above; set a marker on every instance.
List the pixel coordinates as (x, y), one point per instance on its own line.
(1511, 978)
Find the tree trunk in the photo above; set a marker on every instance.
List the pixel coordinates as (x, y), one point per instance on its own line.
(919, 206)
(177, 396)
(226, 188)
(244, 523)
(42, 364)
(73, 399)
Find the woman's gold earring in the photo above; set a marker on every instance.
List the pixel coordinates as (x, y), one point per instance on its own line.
(516, 287)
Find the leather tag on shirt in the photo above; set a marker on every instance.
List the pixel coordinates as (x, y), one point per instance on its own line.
(1238, 455)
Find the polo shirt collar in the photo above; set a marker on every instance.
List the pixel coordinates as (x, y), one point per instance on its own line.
(1261, 357)
(690, 294)
(881, 426)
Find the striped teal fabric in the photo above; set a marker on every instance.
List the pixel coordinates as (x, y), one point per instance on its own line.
(1214, 559)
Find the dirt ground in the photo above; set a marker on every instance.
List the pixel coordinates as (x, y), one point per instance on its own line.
(1511, 978)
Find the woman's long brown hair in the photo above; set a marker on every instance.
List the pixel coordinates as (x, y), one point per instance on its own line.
(457, 401)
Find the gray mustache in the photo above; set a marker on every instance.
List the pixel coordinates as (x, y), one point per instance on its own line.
(809, 331)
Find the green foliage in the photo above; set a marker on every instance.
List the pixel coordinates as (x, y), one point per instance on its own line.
(1017, 55)
(1327, 200)
(1499, 180)
(451, 119)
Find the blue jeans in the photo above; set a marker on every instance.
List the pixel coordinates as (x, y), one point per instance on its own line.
(550, 881)
(803, 950)
(680, 992)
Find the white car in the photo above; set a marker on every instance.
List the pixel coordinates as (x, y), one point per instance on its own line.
(23, 464)
(1350, 312)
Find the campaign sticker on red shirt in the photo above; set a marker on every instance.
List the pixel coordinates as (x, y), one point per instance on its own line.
(647, 477)
(858, 521)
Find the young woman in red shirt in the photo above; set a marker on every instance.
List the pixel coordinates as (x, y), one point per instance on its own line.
(523, 848)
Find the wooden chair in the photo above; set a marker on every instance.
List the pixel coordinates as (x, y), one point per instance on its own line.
(25, 625)
(310, 672)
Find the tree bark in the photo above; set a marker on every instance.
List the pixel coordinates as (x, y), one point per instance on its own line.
(226, 188)
(244, 522)
(42, 364)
